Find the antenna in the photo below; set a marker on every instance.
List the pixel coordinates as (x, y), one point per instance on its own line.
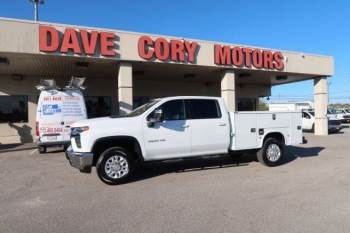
(36, 4)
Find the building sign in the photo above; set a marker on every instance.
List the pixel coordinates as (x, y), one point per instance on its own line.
(164, 50)
(101, 43)
(80, 42)
(248, 57)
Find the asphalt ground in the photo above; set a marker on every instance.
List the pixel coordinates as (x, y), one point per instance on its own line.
(309, 192)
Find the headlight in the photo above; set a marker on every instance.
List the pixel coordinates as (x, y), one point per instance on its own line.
(78, 130)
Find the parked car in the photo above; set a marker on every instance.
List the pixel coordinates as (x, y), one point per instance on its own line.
(178, 127)
(343, 115)
(308, 122)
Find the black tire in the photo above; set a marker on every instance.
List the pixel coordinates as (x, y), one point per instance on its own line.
(110, 176)
(263, 157)
(42, 149)
(65, 147)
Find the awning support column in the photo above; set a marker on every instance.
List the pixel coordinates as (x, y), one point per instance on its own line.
(321, 105)
(228, 89)
(125, 93)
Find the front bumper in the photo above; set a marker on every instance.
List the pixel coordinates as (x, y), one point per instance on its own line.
(334, 128)
(80, 160)
(58, 143)
(346, 120)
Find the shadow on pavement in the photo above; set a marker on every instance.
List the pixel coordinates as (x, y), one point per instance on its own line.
(149, 170)
(4, 148)
(293, 152)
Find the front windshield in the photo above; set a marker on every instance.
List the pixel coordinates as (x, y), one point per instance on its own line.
(331, 111)
(338, 111)
(347, 110)
(312, 113)
(143, 108)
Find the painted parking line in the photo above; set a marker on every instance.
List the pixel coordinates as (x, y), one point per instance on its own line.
(33, 151)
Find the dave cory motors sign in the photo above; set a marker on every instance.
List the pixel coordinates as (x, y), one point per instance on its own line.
(82, 42)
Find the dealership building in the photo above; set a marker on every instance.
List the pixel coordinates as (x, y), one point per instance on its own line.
(125, 69)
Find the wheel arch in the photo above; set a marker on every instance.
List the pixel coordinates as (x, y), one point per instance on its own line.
(127, 142)
(276, 135)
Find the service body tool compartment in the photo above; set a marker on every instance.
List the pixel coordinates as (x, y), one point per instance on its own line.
(250, 128)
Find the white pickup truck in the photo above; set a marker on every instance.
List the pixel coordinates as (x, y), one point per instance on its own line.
(178, 127)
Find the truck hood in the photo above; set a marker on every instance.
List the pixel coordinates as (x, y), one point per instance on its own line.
(103, 122)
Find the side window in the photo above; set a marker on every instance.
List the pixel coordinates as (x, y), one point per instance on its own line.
(202, 109)
(13, 109)
(305, 115)
(172, 110)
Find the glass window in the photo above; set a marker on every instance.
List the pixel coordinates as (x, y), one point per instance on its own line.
(246, 104)
(305, 115)
(143, 108)
(202, 109)
(140, 100)
(172, 110)
(98, 106)
(13, 109)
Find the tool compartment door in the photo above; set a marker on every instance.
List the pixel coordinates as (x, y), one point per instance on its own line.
(244, 131)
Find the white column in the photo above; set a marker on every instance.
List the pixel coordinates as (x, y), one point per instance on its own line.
(125, 96)
(321, 105)
(228, 89)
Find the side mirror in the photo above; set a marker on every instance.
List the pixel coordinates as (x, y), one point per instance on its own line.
(157, 117)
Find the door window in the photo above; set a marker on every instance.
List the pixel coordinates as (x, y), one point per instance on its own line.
(305, 115)
(13, 109)
(172, 110)
(202, 109)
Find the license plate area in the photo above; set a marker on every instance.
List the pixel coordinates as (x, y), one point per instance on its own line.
(51, 138)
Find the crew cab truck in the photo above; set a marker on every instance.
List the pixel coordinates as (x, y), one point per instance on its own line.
(178, 127)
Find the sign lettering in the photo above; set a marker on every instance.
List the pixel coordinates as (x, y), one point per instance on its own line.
(248, 57)
(76, 41)
(164, 50)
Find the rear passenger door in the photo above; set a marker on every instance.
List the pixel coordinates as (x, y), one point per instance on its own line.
(208, 127)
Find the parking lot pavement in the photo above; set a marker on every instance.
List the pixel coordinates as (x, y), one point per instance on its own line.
(310, 192)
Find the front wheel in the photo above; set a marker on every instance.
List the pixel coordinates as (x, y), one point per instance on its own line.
(271, 153)
(115, 166)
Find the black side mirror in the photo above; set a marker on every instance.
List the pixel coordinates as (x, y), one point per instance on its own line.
(157, 117)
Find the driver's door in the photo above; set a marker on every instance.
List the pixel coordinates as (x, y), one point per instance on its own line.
(169, 138)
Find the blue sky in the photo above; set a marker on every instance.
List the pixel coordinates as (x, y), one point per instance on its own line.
(310, 26)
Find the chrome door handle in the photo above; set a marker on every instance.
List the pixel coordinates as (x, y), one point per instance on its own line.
(223, 124)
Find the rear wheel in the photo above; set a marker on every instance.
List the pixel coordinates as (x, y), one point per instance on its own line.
(115, 166)
(42, 149)
(271, 153)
